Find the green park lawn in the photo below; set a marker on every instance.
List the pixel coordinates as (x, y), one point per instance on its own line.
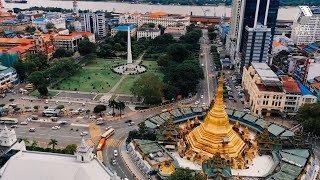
(105, 63)
(90, 80)
(151, 64)
(127, 83)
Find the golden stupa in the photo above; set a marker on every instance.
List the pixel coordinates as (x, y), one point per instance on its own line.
(216, 134)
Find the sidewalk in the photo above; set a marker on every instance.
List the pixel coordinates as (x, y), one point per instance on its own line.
(131, 164)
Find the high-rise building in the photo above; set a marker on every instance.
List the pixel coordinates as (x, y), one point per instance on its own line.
(256, 43)
(306, 28)
(94, 22)
(249, 13)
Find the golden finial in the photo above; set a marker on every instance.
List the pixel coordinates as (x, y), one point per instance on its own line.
(246, 130)
(196, 120)
(237, 125)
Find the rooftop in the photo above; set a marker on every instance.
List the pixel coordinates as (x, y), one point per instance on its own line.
(304, 90)
(291, 87)
(268, 77)
(39, 166)
(123, 28)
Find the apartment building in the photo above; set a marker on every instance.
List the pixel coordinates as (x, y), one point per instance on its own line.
(94, 22)
(267, 94)
(306, 28)
(164, 19)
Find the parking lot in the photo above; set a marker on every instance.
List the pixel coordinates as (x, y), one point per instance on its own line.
(234, 91)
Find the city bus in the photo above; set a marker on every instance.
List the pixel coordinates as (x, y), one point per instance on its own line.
(99, 156)
(51, 112)
(108, 133)
(7, 120)
(101, 144)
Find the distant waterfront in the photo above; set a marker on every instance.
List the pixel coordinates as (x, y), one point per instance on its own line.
(287, 13)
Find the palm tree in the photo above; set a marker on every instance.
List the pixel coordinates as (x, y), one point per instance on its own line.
(34, 144)
(121, 106)
(53, 142)
(26, 140)
(112, 104)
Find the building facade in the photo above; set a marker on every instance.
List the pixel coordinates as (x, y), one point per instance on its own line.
(164, 19)
(148, 33)
(129, 19)
(256, 42)
(176, 32)
(41, 23)
(71, 41)
(306, 28)
(94, 23)
(8, 78)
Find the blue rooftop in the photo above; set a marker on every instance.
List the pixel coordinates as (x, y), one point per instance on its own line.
(70, 20)
(123, 28)
(40, 19)
(304, 90)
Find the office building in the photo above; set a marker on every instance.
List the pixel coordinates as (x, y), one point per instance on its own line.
(256, 43)
(249, 13)
(94, 22)
(306, 28)
(129, 19)
(164, 19)
(72, 40)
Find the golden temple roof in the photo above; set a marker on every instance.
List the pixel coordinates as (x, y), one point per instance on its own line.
(196, 120)
(167, 168)
(237, 125)
(216, 134)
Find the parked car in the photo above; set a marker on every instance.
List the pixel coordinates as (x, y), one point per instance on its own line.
(113, 161)
(32, 130)
(131, 124)
(84, 133)
(99, 122)
(128, 121)
(107, 128)
(13, 126)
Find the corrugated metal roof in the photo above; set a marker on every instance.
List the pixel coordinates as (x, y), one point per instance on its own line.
(275, 129)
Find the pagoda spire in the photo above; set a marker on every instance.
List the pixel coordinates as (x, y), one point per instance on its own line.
(217, 119)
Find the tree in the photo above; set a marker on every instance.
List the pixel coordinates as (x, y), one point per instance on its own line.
(43, 90)
(86, 47)
(60, 52)
(50, 26)
(34, 144)
(178, 52)
(61, 106)
(37, 79)
(36, 107)
(184, 174)
(308, 115)
(99, 108)
(26, 140)
(143, 129)
(121, 106)
(70, 149)
(53, 142)
(212, 35)
(30, 29)
(151, 92)
(163, 60)
(112, 104)
(21, 70)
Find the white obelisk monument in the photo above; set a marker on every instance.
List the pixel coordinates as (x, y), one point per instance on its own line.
(129, 53)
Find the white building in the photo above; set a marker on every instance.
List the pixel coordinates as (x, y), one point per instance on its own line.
(41, 23)
(148, 33)
(164, 19)
(41, 165)
(129, 19)
(176, 32)
(75, 8)
(133, 30)
(306, 28)
(94, 23)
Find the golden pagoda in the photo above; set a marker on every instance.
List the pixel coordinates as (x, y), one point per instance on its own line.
(216, 134)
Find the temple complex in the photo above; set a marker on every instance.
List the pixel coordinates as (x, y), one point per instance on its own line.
(215, 135)
(169, 134)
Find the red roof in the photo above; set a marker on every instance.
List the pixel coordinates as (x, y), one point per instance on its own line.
(316, 85)
(291, 86)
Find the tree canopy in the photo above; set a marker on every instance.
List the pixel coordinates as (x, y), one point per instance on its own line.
(43, 90)
(150, 87)
(308, 115)
(184, 174)
(86, 47)
(178, 52)
(99, 108)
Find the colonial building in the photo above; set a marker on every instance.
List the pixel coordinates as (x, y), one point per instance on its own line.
(133, 30)
(129, 19)
(56, 20)
(176, 32)
(71, 41)
(164, 19)
(148, 33)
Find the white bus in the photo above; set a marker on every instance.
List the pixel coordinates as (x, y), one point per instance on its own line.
(51, 112)
(7, 120)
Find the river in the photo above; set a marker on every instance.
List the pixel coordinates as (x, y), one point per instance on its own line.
(285, 13)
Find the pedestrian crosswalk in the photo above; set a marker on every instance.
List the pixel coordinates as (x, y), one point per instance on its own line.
(113, 142)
